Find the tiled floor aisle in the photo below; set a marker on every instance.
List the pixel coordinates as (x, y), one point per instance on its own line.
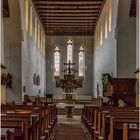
(70, 129)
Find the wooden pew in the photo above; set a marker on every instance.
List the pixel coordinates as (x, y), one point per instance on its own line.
(98, 118)
(104, 122)
(18, 116)
(116, 127)
(7, 134)
(24, 125)
(46, 117)
(130, 131)
(20, 130)
(52, 118)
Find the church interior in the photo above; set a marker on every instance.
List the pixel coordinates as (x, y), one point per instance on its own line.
(70, 69)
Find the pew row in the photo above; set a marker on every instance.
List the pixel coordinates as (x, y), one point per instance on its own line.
(29, 122)
(106, 123)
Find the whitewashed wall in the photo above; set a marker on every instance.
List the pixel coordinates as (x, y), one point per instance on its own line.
(126, 42)
(138, 36)
(22, 56)
(33, 57)
(12, 50)
(105, 54)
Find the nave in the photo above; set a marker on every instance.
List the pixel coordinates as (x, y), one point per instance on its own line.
(39, 120)
(70, 69)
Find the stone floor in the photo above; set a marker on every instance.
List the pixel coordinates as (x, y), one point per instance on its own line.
(70, 129)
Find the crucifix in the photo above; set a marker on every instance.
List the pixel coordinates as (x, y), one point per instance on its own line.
(69, 69)
(69, 83)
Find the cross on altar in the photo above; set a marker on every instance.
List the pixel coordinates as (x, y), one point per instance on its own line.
(69, 83)
(69, 69)
(69, 63)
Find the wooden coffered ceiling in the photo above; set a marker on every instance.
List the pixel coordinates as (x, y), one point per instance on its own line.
(69, 17)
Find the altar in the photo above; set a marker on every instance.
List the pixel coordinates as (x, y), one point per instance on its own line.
(68, 96)
(69, 109)
(69, 83)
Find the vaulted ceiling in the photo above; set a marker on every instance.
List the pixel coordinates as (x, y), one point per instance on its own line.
(69, 17)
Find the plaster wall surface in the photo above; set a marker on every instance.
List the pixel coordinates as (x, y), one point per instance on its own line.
(138, 35)
(77, 41)
(12, 50)
(126, 42)
(1, 36)
(33, 62)
(105, 59)
(22, 56)
(33, 58)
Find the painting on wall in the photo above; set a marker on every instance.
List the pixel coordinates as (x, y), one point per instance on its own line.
(6, 79)
(34, 79)
(9, 80)
(38, 80)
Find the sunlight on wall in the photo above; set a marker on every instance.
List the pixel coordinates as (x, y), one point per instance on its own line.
(35, 30)
(110, 14)
(33, 25)
(31, 21)
(41, 41)
(38, 35)
(103, 29)
(26, 14)
(44, 44)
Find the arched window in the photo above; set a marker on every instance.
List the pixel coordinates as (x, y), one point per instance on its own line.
(26, 14)
(81, 62)
(56, 61)
(69, 50)
(31, 21)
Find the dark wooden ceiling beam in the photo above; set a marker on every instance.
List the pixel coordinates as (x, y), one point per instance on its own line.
(57, 30)
(63, 33)
(64, 30)
(71, 24)
(95, 1)
(68, 2)
(68, 18)
(67, 9)
(70, 34)
(69, 15)
(5, 6)
(70, 21)
(68, 26)
(88, 13)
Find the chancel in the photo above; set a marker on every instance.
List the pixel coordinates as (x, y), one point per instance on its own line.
(70, 69)
(69, 84)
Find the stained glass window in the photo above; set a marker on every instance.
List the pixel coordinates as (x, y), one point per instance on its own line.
(81, 62)
(56, 61)
(69, 50)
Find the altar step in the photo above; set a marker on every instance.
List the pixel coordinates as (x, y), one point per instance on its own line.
(63, 111)
(77, 109)
(58, 97)
(78, 104)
